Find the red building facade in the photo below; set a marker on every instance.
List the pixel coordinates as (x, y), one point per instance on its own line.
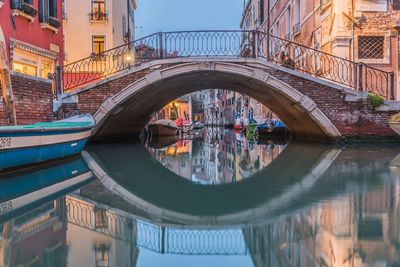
(33, 35)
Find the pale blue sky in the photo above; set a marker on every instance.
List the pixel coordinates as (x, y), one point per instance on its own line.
(175, 15)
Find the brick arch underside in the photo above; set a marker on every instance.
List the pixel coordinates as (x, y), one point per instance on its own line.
(126, 113)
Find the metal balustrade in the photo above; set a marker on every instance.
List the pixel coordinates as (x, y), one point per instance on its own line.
(157, 238)
(238, 44)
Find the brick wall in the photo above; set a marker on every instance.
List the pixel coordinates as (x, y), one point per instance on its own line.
(352, 119)
(33, 99)
(90, 100)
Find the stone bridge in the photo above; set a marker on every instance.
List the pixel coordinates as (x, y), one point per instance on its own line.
(325, 99)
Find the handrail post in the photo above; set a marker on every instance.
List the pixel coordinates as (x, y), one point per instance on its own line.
(268, 46)
(392, 86)
(254, 54)
(160, 45)
(59, 82)
(360, 76)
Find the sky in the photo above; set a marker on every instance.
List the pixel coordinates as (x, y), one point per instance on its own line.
(179, 15)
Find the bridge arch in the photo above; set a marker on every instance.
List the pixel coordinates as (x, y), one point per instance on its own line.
(128, 111)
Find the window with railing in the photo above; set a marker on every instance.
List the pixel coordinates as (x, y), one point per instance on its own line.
(48, 11)
(24, 6)
(101, 218)
(98, 12)
(371, 47)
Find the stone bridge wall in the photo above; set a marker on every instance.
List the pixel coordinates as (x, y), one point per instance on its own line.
(353, 119)
(91, 99)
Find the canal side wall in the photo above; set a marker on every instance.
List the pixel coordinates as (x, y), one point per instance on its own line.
(33, 98)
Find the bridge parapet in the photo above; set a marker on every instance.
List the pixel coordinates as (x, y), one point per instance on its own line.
(222, 44)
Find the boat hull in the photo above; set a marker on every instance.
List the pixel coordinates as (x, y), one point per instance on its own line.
(25, 148)
(272, 132)
(395, 127)
(162, 130)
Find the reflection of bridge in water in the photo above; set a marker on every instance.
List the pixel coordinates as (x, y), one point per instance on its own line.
(155, 237)
(349, 214)
(274, 237)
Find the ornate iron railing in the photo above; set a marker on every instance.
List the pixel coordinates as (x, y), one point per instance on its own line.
(157, 238)
(240, 44)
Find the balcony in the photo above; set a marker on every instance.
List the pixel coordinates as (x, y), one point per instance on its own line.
(51, 23)
(23, 9)
(98, 17)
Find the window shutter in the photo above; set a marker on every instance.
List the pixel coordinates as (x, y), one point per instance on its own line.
(55, 4)
(41, 11)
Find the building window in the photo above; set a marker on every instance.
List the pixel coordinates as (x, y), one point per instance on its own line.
(98, 44)
(288, 23)
(48, 11)
(101, 219)
(98, 10)
(25, 68)
(102, 255)
(24, 7)
(371, 47)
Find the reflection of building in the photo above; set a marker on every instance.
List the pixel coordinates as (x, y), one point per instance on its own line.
(36, 238)
(226, 108)
(221, 157)
(99, 235)
(176, 158)
(102, 24)
(33, 35)
(353, 231)
(179, 108)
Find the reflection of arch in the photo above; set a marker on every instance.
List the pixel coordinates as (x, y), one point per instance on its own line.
(128, 111)
(199, 205)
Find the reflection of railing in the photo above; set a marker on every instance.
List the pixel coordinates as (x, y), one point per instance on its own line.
(240, 44)
(84, 214)
(157, 238)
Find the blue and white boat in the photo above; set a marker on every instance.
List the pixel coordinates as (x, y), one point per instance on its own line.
(43, 141)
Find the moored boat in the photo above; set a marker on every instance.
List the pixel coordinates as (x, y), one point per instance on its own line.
(43, 141)
(163, 127)
(197, 126)
(394, 123)
(250, 128)
(271, 127)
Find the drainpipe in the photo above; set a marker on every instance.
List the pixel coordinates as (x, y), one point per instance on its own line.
(268, 27)
(397, 28)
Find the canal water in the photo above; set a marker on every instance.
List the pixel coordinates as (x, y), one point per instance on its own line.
(213, 198)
